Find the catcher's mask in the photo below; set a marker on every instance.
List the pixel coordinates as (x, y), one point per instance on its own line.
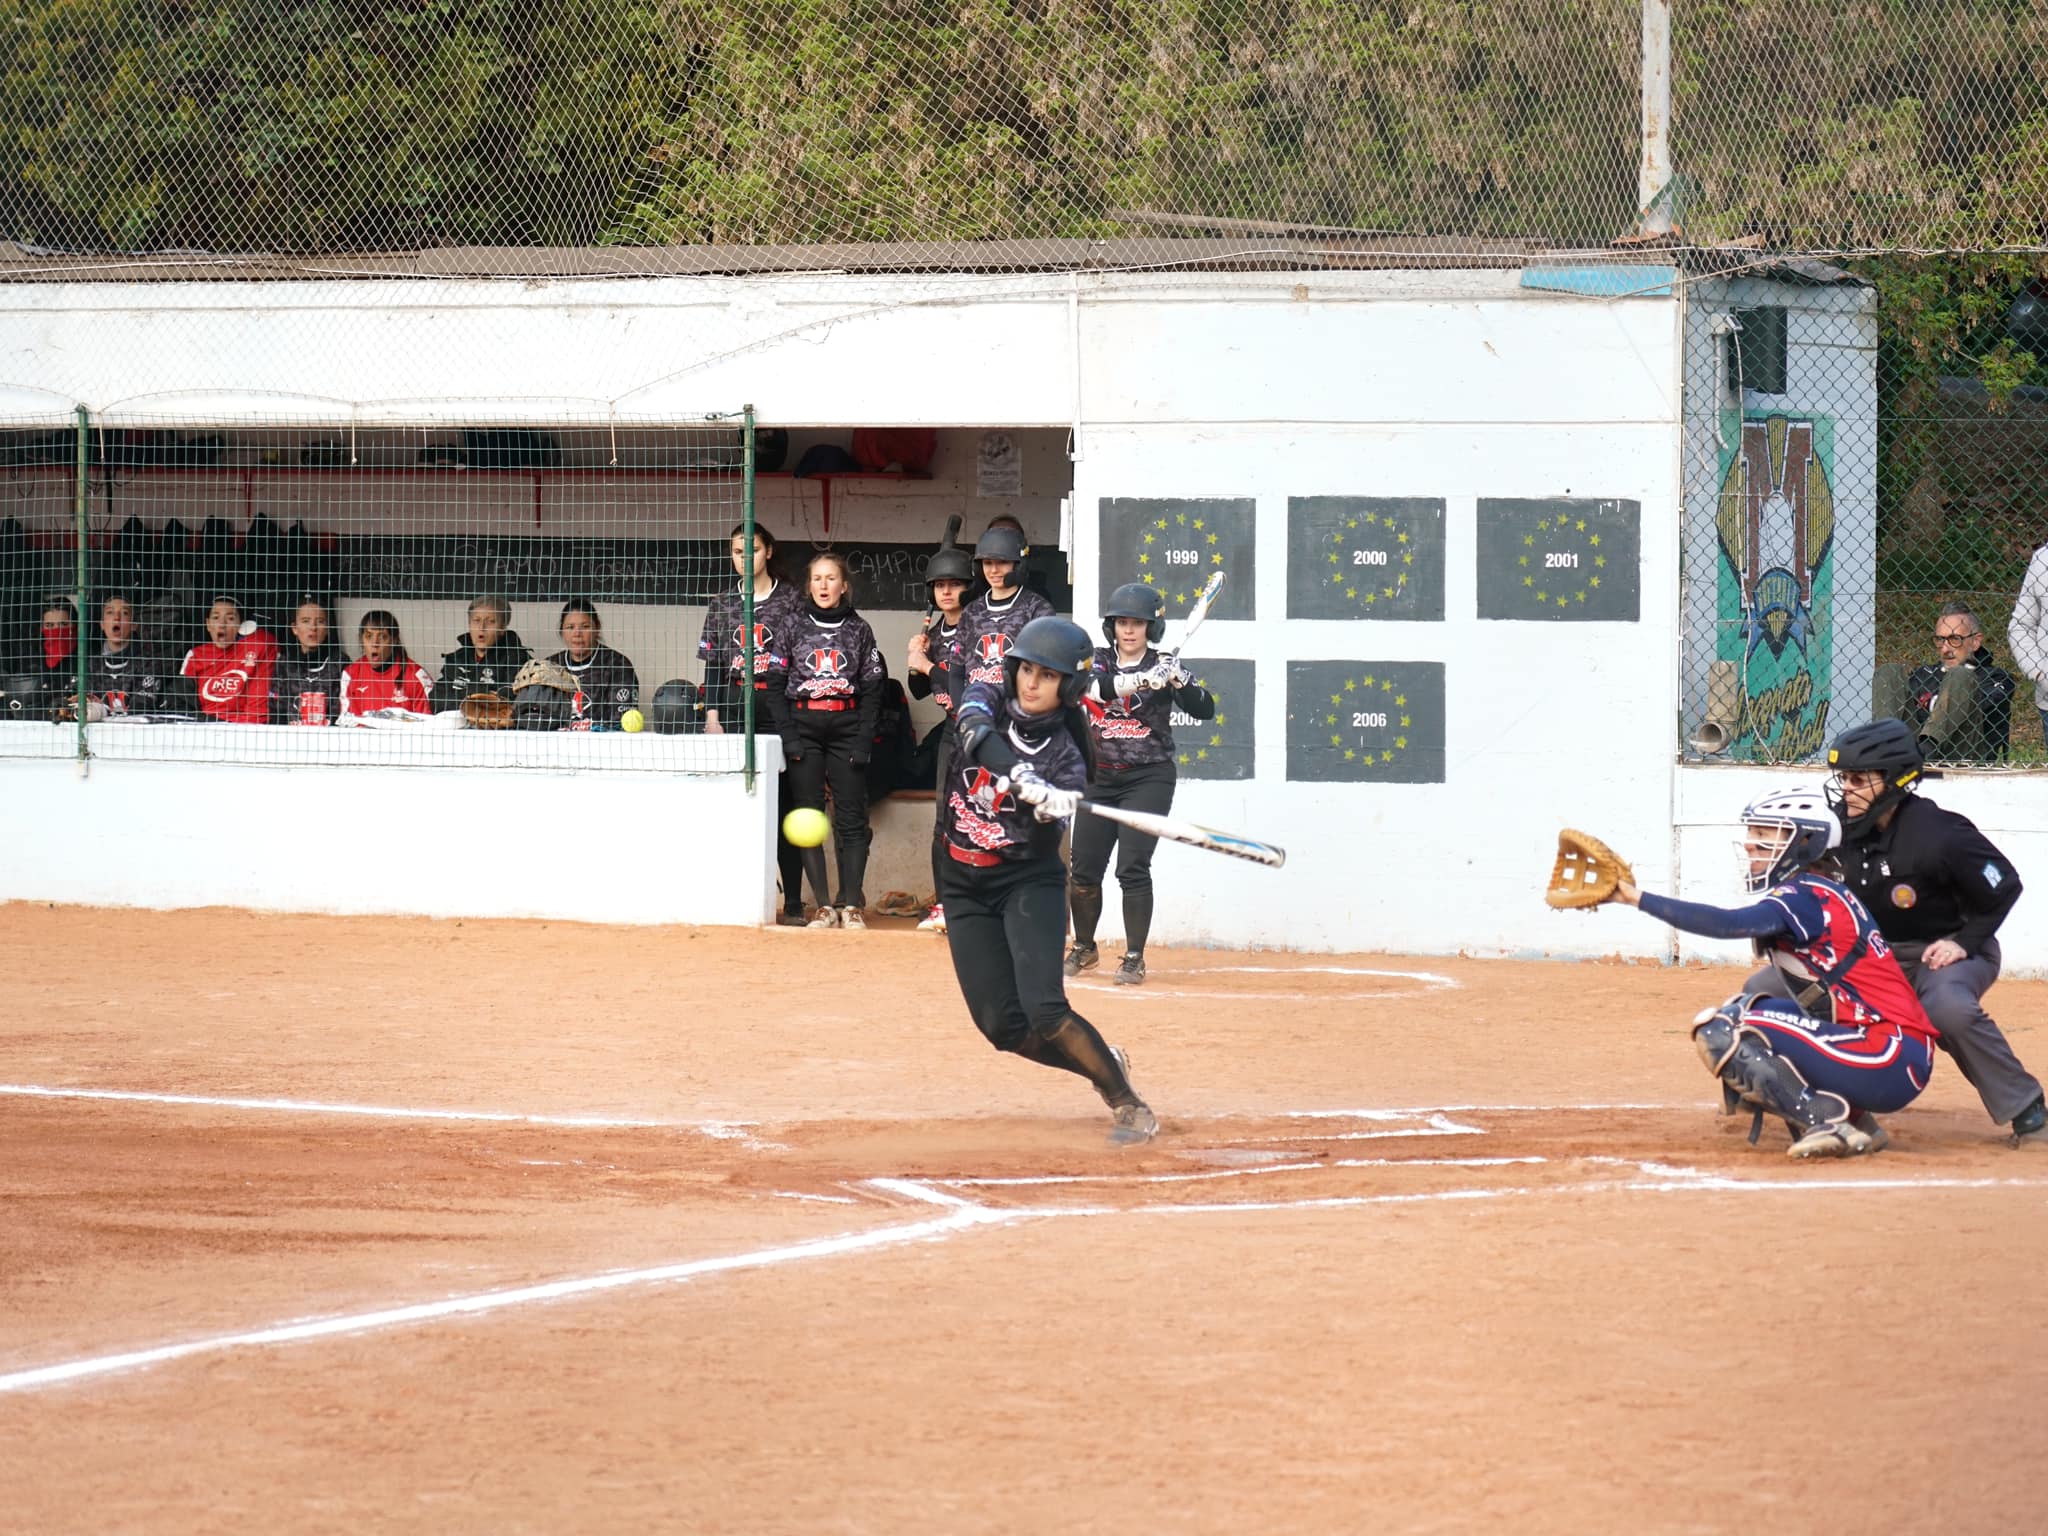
(1889, 747)
(543, 697)
(1135, 600)
(1058, 645)
(677, 709)
(1783, 833)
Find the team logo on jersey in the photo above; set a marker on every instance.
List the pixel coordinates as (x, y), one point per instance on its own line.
(223, 687)
(982, 791)
(828, 663)
(1904, 895)
(117, 703)
(764, 637)
(992, 647)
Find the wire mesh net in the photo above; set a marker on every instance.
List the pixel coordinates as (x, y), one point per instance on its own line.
(519, 597)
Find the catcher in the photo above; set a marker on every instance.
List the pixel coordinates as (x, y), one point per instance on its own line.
(1852, 1037)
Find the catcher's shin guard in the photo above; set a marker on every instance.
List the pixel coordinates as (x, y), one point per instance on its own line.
(1752, 1075)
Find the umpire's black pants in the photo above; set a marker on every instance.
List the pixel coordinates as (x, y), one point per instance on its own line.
(1006, 926)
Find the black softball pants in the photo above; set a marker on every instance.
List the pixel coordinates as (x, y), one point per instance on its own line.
(828, 740)
(1146, 787)
(1006, 926)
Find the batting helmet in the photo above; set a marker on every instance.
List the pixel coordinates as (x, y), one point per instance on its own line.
(1058, 645)
(1135, 600)
(1811, 832)
(951, 563)
(677, 709)
(1889, 747)
(1001, 542)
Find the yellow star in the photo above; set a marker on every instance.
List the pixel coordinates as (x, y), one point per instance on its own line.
(1336, 741)
(1181, 518)
(1184, 759)
(1522, 560)
(1594, 540)
(1350, 756)
(1201, 752)
(1215, 741)
(1369, 679)
(1542, 596)
(1387, 686)
(1198, 523)
(1528, 581)
(1351, 591)
(1408, 558)
(1543, 526)
(1561, 602)
(1180, 597)
(1223, 720)
(1350, 686)
(1336, 698)
(1599, 559)
(1400, 701)
(1578, 597)
(1401, 742)
(1582, 525)
(1215, 559)
(1386, 757)
(1401, 538)
(1335, 561)
(1371, 598)
(1353, 522)
(1144, 559)
(1338, 578)
(1592, 581)
(1529, 539)
(1150, 537)
(1212, 538)
(1404, 721)
(1329, 719)
(1387, 591)
(1160, 524)
(1146, 578)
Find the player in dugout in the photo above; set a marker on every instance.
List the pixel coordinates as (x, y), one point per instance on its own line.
(1848, 1035)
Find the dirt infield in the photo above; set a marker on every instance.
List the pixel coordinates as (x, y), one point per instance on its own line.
(320, 1224)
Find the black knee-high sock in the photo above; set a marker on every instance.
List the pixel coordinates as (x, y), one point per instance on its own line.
(789, 863)
(1137, 918)
(1076, 1046)
(1086, 902)
(814, 866)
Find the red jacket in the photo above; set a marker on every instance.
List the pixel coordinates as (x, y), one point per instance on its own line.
(234, 679)
(403, 684)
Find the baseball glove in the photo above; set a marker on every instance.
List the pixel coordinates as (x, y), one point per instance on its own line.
(1585, 872)
(487, 712)
(544, 674)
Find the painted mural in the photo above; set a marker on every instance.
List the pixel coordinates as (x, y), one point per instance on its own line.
(1776, 525)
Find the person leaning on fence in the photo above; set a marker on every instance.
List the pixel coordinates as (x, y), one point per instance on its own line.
(486, 657)
(233, 666)
(2028, 633)
(1959, 704)
(384, 677)
(59, 672)
(607, 685)
(307, 687)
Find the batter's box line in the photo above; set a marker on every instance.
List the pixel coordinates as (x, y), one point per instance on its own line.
(1314, 1165)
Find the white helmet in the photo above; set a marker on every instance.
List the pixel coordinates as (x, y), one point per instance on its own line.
(1811, 830)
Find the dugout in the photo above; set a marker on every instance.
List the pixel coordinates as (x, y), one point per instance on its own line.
(1458, 503)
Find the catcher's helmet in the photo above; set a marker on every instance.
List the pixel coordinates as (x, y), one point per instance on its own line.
(1058, 645)
(1135, 600)
(677, 709)
(1810, 827)
(1001, 542)
(1889, 747)
(951, 563)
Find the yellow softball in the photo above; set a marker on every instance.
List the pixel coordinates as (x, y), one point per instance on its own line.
(806, 828)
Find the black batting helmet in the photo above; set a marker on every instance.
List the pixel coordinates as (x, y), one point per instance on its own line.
(1889, 747)
(1135, 600)
(1058, 645)
(677, 709)
(951, 563)
(1001, 542)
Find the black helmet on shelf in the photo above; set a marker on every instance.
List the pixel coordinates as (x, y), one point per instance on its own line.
(1889, 747)
(1058, 645)
(677, 709)
(1001, 542)
(1135, 600)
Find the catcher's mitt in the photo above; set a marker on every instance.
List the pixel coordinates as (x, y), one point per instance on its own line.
(487, 712)
(1585, 872)
(544, 674)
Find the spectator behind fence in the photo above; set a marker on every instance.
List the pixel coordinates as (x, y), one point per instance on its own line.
(485, 659)
(307, 689)
(2028, 634)
(1960, 705)
(384, 677)
(60, 652)
(129, 675)
(608, 686)
(233, 667)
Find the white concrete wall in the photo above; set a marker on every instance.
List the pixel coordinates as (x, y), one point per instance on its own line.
(363, 836)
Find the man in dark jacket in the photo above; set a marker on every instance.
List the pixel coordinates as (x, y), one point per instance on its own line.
(1961, 704)
(485, 660)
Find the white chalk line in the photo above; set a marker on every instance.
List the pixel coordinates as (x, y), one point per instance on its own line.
(1431, 982)
(960, 1215)
(721, 1130)
(1308, 1166)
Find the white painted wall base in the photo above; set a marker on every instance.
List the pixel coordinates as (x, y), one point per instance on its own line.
(586, 845)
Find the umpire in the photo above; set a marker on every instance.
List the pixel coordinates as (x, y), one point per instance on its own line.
(1938, 890)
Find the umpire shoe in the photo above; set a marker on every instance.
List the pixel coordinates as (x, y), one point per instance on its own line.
(1130, 971)
(2030, 1126)
(1082, 957)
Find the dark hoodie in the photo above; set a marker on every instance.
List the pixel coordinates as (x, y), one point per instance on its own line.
(463, 672)
(306, 687)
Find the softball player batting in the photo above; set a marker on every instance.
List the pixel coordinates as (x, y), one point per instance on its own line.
(1021, 760)
(1852, 1036)
(1133, 739)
